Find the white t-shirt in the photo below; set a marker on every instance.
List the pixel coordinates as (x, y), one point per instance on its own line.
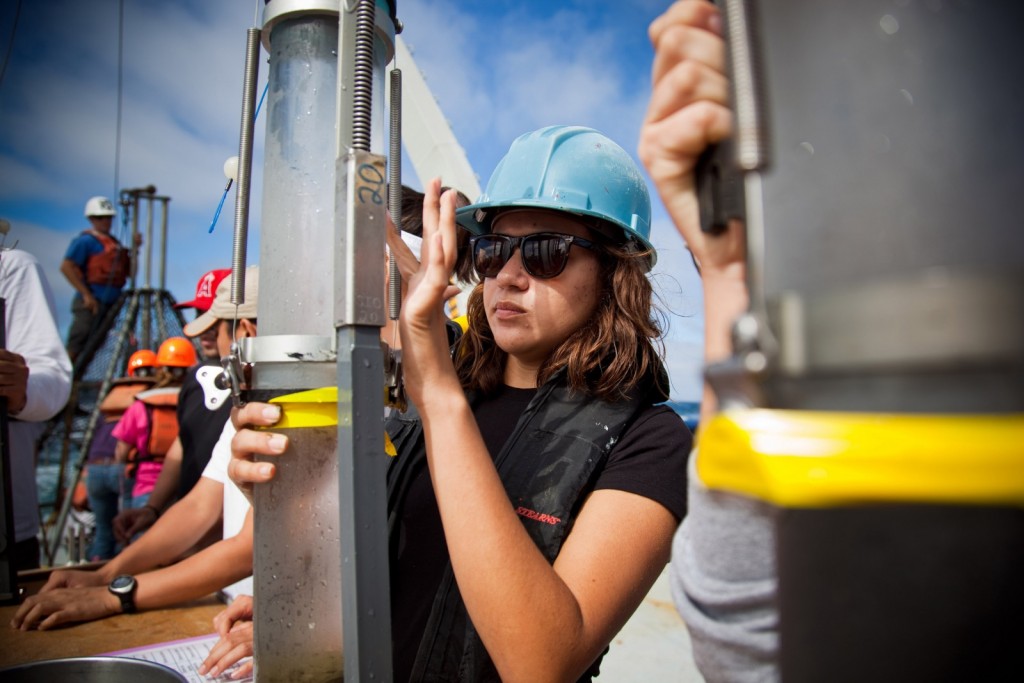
(235, 503)
(31, 332)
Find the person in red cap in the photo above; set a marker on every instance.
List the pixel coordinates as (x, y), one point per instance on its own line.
(198, 429)
(206, 288)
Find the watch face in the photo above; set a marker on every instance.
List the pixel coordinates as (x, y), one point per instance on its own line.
(122, 583)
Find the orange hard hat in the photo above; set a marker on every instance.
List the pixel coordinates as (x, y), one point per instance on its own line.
(143, 358)
(176, 352)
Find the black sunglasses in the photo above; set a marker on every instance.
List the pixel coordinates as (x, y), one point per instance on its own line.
(544, 254)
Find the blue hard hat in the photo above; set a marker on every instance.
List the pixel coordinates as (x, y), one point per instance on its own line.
(573, 169)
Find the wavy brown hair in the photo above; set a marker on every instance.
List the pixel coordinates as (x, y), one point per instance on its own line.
(609, 356)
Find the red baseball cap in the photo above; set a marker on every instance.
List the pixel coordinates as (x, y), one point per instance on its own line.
(206, 288)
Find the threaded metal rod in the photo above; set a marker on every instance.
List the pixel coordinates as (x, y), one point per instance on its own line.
(362, 80)
(241, 237)
(751, 136)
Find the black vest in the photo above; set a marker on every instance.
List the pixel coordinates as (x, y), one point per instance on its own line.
(548, 466)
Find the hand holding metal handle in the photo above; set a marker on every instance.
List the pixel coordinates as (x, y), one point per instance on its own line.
(721, 169)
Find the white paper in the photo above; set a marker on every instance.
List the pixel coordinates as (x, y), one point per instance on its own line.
(184, 656)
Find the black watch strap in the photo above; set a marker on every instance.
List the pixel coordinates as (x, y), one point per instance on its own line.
(123, 587)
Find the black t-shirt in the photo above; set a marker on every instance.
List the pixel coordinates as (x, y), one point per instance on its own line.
(198, 429)
(649, 460)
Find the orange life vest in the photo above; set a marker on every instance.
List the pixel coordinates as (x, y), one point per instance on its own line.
(121, 396)
(162, 409)
(110, 266)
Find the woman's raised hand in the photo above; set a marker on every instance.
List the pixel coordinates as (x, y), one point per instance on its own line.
(425, 354)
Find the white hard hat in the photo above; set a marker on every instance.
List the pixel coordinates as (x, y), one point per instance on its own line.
(99, 206)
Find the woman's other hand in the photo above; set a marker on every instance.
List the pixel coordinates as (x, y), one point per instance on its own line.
(234, 625)
(247, 443)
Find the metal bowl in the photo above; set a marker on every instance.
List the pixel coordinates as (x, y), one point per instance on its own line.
(91, 670)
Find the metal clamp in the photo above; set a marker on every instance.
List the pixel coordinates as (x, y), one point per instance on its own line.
(218, 384)
(394, 385)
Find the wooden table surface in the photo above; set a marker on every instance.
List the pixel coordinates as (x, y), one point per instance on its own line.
(119, 632)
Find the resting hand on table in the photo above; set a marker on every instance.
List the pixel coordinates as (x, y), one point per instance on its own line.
(234, 625)
(64, 606)
(74, 578)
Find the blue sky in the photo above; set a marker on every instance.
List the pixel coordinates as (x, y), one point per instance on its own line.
(497, 69)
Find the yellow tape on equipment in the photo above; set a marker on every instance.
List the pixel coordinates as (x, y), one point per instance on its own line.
(315, 408)
(821, 459)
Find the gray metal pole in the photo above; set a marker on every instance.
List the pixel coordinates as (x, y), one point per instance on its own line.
(164, 201)
(132, 201)
(149, 240)
(158, 296)
(359, 315)
(245, 144)
(147, 304)
(395, 189)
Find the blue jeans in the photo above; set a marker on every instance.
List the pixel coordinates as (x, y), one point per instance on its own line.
(139, 501)
(103, 484)
(84, 325)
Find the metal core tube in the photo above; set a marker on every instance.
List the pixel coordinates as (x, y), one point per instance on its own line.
(320, 312)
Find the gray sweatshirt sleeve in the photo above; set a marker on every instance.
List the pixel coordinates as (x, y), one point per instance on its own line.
(724, 584)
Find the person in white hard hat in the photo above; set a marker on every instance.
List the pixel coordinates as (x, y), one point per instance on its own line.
(97, 266)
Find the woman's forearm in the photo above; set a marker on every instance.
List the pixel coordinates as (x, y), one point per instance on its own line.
(725, 300)
(209, 570)
(181, 527)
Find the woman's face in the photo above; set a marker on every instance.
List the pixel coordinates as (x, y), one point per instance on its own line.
(528, 316)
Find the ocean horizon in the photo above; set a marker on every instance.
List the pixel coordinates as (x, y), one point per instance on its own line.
(688, 410)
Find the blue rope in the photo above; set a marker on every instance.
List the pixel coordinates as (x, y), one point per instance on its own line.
(220, 205)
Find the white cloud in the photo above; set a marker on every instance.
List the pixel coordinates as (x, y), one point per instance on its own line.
(496, 69)
(38, 241)
(523, 70)
(182, 88)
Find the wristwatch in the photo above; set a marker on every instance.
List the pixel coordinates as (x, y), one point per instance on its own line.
(123, 587)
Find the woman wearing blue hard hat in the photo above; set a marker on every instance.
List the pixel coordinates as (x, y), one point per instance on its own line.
(537, 483)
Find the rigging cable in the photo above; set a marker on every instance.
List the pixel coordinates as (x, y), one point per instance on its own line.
(120, 82)
(10, 43)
